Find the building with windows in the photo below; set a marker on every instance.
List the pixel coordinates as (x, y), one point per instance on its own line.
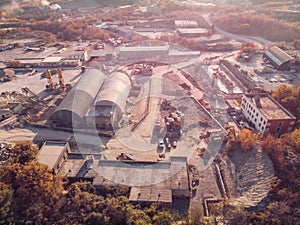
(266, 114)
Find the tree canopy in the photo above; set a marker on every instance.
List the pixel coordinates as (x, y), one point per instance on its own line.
(257, 24)
(289, 97)
(23, 152)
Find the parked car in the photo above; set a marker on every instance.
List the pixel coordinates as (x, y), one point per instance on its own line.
(161, 143)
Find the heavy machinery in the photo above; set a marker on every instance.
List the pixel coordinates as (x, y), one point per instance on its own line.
(61, 80)
(51, 84)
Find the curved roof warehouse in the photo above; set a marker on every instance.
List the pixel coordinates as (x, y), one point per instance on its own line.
(114, 92)
(278, 58)
(72, 110)
(109, 105)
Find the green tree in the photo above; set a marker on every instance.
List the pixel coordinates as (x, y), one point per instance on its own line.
(247, 139)
(278, 213)
(163, 218)
(35, 189)
(289, 97)
(23, 152)
(235, 214)
(196, 215)
(6, 194)
(296, 139)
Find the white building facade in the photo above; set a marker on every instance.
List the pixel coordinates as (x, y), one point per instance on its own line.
(266, 114)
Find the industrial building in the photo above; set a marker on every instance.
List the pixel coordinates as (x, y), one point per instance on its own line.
(94, 102)
(192, 32)
(186, 24)
(149, 182)
(267, 115)
(278, 58)
(53, 154)
(42, 57)
(143, 52)
(109, 105)
(72, 110)
(51, 61)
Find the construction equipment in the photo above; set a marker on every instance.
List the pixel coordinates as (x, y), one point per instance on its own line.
(51, 85)
(82, 69)
(61, 80)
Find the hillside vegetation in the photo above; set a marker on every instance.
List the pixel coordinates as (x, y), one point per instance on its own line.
(257, 25)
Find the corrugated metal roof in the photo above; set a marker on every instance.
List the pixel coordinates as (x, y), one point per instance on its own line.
(80, 98)
(277, 55)
(114, 91)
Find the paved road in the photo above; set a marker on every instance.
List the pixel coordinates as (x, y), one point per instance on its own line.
(243, 38)
(49, 134)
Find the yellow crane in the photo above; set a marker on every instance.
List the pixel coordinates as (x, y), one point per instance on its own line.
(50, 84)
(61, 80)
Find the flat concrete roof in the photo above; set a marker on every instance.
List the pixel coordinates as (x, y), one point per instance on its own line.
(143, 48)
(50, 152)
(185, 53)
(98, 53)
(167, 175)
(52, 59)
(150, 194)
(29, 60)
(186, 23)
(192, 30)
(269, 107)
(233, 103)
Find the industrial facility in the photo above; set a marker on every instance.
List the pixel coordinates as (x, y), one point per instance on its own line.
(137, 105)
(138, 52)
(94, 102)
(278, 58)
(53, 154)
(72, 110)
(267, 115)
(109, 104)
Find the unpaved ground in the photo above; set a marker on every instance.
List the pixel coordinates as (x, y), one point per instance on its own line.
(36, 83)
(247, 178)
